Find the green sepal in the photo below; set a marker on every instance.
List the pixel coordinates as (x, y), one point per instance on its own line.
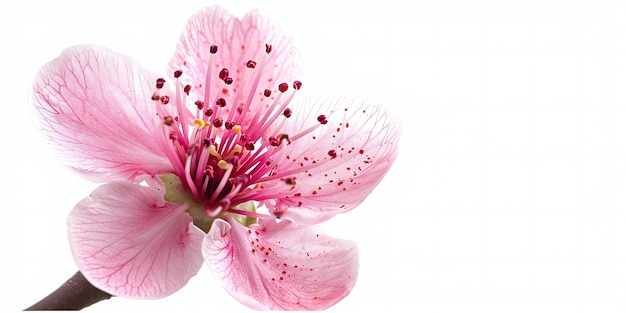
(243, 219)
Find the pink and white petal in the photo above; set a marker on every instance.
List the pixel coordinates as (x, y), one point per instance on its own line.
(94, 106)
(129, 242)
(238, 42)
(336, 166)
(281, 265)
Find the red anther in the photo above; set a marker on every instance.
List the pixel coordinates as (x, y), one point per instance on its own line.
(218, 122)
(229, 125)
(177, 73)
(251, 64)
(332, 154)
(213, 49)
(160, 82)
(168, 120)
(267, 92)
(283, 87)
(287, 112)
(207, 142)
(199, 104)
(224, 74)
(155, 96)
(274, 142)
(187, 89)
(282, 137)
(249, 146)
(221, 102)
(322, 119)
(228, 80)
(165, 99)
(208, 112)
(297, 85)
(268, 48)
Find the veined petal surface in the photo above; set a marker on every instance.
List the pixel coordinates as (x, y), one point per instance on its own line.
(335, 167)
(281, 265)
(129, 242)
(238, 41)
(94, 106)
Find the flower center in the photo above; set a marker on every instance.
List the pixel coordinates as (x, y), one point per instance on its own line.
(227, 143)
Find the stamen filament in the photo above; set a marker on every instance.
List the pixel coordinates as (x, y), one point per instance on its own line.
(255, 86)
(189, 179)
(225, 178)
(304, 132)
(250, 214)
(166, 145)
(202, 160)
(276, 113)
(255, 120)
(207, 83)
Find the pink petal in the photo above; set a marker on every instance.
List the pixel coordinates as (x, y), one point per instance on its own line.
(238, 41)
(281, 265)
(129, 242)
(94, 106)
(336, 166)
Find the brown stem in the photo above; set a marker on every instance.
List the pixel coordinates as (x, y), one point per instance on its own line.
(75, 294)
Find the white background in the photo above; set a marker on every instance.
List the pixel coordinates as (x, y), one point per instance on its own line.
(509, 192)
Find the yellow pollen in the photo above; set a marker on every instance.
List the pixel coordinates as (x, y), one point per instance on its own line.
(236, 149)
(200, 123)
(213, 152)
(237, 129)
(222, 164)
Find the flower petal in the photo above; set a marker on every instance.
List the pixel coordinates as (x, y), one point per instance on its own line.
(238, 41)
(94, 106)
(334, 168)
(281, 265)
(129, 242)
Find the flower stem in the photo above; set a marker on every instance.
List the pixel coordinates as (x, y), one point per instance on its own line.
(75, 294)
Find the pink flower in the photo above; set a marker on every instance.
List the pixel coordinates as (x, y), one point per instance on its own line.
(216, 163)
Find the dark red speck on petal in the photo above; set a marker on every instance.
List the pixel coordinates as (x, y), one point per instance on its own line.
(332, 154)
